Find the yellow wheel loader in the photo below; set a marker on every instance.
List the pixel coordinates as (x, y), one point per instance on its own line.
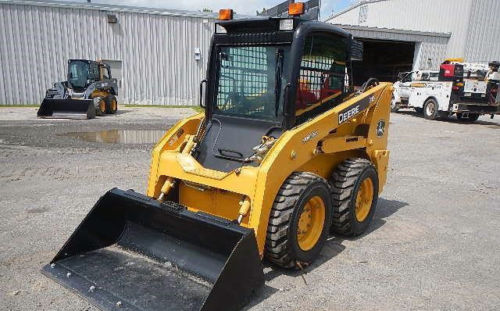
(285, 153)
(89, 91)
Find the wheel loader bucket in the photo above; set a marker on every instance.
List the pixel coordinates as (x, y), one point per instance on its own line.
(133, 253)
(67, 109)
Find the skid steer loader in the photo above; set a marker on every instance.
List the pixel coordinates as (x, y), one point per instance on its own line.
(285, 153)
(89, 91)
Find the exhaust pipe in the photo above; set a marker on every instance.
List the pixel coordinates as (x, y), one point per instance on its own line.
(136, 253)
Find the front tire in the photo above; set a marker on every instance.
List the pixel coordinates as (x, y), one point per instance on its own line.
(300, 220)
(354, 196)
(431, 109)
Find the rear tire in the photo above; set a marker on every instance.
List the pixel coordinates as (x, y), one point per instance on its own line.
(431, 109)
(354, 186)
(111, 104)
(299, 221)
(472, 117)
(101, 107)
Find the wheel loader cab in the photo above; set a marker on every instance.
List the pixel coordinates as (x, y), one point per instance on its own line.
(81, 73)
(267, 76)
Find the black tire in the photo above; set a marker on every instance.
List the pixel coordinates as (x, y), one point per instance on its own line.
(111, 104)
(431, 109)
(282, 246)
(345, 182)
(101, 107)
(472, 117)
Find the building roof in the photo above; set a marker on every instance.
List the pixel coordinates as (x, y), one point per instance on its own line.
(395, 30)
(351, 7)
(112, 8)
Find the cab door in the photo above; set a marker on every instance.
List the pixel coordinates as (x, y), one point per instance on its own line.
(323, 75)
(405, 86)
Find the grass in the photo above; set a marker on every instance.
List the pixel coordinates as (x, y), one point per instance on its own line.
(159, 106)
(195, 108)
(19, 106)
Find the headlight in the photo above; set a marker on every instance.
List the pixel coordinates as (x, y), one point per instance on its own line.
(286, 24)
(220, 29)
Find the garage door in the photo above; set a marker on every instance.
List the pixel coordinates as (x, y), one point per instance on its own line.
(383, 60)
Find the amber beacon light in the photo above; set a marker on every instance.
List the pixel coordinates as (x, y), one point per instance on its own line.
(225, 14)
(295, 9)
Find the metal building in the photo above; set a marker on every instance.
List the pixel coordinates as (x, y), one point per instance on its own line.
(159, 56)
(402, 35)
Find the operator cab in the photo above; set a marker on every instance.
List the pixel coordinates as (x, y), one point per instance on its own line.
(83, 72)
(267, 75)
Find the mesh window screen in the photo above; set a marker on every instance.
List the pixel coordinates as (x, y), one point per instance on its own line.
(247, 81)
(322, 72)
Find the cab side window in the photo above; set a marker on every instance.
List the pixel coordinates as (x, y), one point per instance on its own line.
(322, 76)
(94, 72)
(105, 73)
(407, 78)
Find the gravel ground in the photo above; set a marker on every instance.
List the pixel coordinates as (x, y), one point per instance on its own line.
(433, 244)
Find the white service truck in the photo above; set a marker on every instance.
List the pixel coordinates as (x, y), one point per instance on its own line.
(464, 89)
(402, 87)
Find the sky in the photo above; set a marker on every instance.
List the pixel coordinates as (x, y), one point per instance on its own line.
(248, 7)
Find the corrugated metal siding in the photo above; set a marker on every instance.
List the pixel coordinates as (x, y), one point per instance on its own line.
(157, 52)
(431, 55)
(483, 38)
(467, 20)
(420, 15)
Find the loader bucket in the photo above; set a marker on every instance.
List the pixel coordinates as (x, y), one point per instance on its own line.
(133, 253)
(67, 109)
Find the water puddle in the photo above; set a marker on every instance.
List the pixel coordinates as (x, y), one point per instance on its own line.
(120, 136)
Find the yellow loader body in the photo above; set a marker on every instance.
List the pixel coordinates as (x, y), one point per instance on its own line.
(310, 147)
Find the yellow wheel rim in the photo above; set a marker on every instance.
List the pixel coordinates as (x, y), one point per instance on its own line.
(102, 106)
(364, 200)
(113, 105)
(311, 222)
